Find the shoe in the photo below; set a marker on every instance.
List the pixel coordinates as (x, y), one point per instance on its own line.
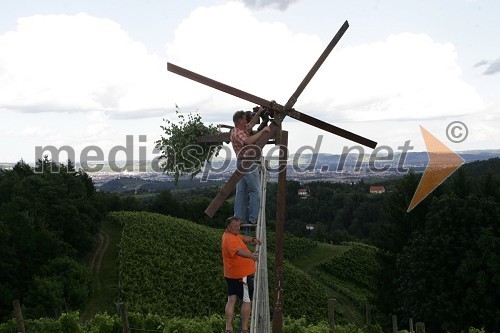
(248, 225)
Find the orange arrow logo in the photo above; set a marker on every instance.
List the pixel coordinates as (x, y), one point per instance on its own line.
(443, 162)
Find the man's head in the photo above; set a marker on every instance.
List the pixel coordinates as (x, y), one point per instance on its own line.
(233, 225)
(240, 119)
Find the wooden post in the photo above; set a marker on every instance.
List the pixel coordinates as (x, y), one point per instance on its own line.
(282, 139)
(124, 316)
(411, 325)
(19, 316)
(331, 314)
(420, 327)
(394, 323)
(368, 315)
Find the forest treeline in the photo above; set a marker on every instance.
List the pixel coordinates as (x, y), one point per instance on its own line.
(439, 262)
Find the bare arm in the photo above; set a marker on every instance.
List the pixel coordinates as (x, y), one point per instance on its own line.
(251, 240)
(246, 254)
(252, 139)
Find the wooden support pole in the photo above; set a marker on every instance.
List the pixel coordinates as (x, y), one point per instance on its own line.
(368, 315)
(420, 327)
(411, 325)
(282, 138)
(124, 316)
(331, 314)
(394, 323)
(19, 316)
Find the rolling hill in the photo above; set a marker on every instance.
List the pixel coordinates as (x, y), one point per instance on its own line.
(173, 267)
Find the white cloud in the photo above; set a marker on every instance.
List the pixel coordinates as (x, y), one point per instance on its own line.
(406, 76)
(31, 131)
(278, 4)
(83, 63)
(227, 43)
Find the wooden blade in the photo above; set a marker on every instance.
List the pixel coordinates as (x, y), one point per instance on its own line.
(222, 137)
(316, 66)
(223, 193)
(331, 128)
(217, 85)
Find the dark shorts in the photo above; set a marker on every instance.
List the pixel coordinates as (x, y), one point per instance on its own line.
(239, 288)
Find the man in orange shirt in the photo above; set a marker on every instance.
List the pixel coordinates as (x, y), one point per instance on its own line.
(239, 268)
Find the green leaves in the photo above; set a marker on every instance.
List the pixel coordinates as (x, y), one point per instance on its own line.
(44, 216)
(181, 154)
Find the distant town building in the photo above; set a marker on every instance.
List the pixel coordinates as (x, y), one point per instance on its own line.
(303, 193)
(377, 189)
(309, 226)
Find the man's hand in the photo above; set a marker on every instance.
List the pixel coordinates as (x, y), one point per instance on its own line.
(257, 241)
(255, 256)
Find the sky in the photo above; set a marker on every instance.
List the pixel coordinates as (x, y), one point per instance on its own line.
(90, 73)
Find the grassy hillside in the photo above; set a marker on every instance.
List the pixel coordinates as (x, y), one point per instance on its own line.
(352, 274)
(173, 267)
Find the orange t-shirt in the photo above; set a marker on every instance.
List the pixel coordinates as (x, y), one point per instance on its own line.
(235, 267)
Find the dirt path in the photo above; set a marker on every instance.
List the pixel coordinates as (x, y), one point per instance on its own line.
(97, 261)
(95, 265)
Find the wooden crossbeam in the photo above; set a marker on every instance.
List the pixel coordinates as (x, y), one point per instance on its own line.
(331, 128)
(221, 137)
(316, 66)
(217, 85)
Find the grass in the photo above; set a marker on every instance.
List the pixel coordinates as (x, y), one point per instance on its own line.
(321, 253)
(106, 282)
(309, 262)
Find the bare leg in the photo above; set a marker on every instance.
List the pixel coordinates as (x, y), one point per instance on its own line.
(231, 301)
(245, 314)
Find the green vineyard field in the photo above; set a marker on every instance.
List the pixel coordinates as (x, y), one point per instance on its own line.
(173, 267)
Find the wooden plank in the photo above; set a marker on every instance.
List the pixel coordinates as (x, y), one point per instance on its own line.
(217, 85)
(331, 314)
(331, 128)
(221, 137)
(280, 234)
(316, 66)
(223, 193)
(19, 316)
(124, 317)
(420, 327)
